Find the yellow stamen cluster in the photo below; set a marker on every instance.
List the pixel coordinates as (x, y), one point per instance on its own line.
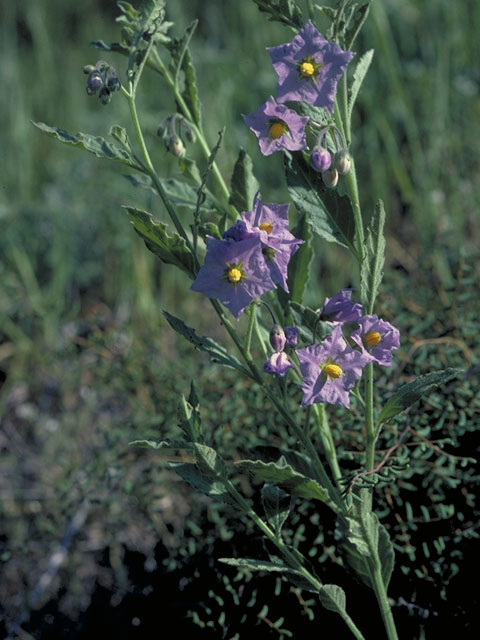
(234, 275)
(333, 371)
(307, 68)
(276, 130)
(266, 226)
(372, 339)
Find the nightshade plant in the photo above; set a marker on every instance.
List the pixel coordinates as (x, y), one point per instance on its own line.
(240, 254)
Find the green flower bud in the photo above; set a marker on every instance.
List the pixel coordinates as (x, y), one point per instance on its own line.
(175, 146)
(342, 161)
(105, 96)
(88, 68)
(330, 177)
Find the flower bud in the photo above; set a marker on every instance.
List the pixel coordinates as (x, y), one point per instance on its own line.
(291, 335)
(175, 146)
(277, 338)
(94, 82)
(320, 160)
(330, 177)
(342, 161)
(111, 80)
(88, 68)
(105, 96)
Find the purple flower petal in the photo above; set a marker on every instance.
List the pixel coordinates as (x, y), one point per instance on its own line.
(377, 339)
(278, 363)
(233, 272)
(309, 68)
(330, 370)
(340, 308)
(277, 127)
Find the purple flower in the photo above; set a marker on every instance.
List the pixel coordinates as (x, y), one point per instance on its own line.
(309, 68)
(340, 308)
(291, 334)
(377, 339)
(278, 363)
(270, 221)
(330, 370)
(233, 272)
(277, 127)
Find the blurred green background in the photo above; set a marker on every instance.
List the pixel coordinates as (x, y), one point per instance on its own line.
(87, 362)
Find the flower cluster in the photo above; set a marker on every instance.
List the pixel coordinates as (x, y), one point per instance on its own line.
(102, 78)
(308, 70)
(331, 368)
(251, 259)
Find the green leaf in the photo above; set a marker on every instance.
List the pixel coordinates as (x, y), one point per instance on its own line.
(189, 420)
(299, 265)
(329, 214)
(150, 444)
(371, 271)
(305, 319)
(358, 77)
(117, 47)
(358, 17)
(276, 504)
(256, 565)
(179, 192)
(120, 134)
(215, 351)
(171, 249)
(182, 61)
(386, 554)
(94, 144)
(197, 480)
(328, 12)
(284, 476)
(244, 185)
(413, 391)
(333, 598)
(286, 11)
(190, 170)
(210, 464)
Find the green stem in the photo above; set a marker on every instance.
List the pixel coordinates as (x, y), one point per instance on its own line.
(382, 599)
(251, 322)
(260, 339)
(289, 556)
(327, 440)
(197, 129)
(153, 174)
(369, 423)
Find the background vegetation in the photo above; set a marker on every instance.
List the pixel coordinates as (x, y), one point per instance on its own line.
(87, 363)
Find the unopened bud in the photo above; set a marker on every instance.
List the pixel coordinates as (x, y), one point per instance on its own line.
(342, 161)
(175, 146)
(94, 82)
(291, 335)
(320, 160)
(330, 178)
(88, 68)
(105, 95)
(277, 338)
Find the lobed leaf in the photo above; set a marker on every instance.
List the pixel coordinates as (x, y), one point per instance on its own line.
(182, 61)
(171, 249)
(94, 144)
(413, 391)
(215, 351)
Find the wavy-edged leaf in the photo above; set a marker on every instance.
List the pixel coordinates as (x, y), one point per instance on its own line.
(117, 47)
(171, 249)
(189, 420)
(179, 193)
(305, 319)
(182, 61)
(284, 476)
(329, 213)
(94, 144)
(413, 391)
(357, 18)
(244, 185)
(197, 480)
(216, 352)
(358, 77)
(273, 566)
(371, 272)
(285, 11)
(276, 504)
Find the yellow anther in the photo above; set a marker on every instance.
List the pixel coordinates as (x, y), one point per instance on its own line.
(234, 274)
(372, 339)
(307, 68)
(266, 226)
(333, 371)
(276, 130)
